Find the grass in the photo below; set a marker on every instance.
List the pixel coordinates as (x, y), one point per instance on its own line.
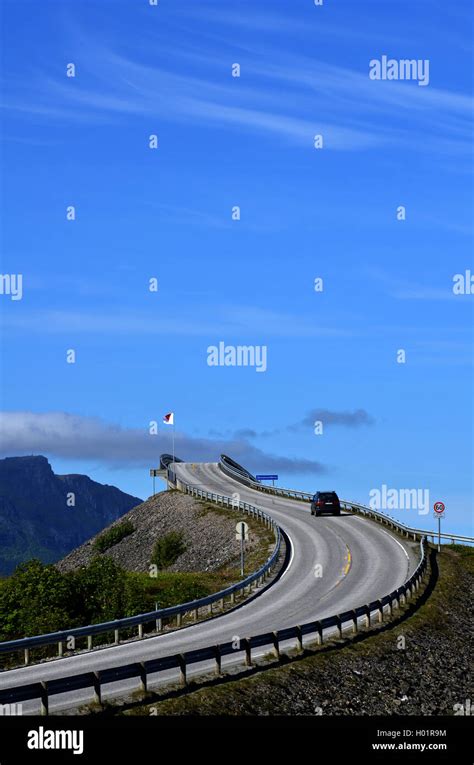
(113, 536)
(168, 549)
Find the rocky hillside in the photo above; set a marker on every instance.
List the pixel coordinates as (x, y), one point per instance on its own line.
(208, 535)
(35, 519)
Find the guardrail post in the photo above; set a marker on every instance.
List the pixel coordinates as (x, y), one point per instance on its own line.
(195, 614)
(97, 688)
(44, 698)
(89, 642)
(355, 626)
(380, 610)
(116, 637)
(319, 633)
(159, 624)
(339, 626)
(367, 616)
(402, 598)
(276, 645)
(182, 669)
(140, 631)
(27, 655)
(299, 638)
(60, 648)
(218, 660)
(178, 619)
(232, 597)
(143, 676)
(408, 592)
(248, 652)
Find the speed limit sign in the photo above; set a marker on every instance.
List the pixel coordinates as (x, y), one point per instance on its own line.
(439, 508)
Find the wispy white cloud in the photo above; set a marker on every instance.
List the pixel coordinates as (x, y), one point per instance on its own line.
(284, 25)
(226, 321)
(424, 293)
(288, 96)
(402, 289)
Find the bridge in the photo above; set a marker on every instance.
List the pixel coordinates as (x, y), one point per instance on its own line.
(323, 576)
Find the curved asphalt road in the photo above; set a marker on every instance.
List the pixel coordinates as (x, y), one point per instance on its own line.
(360, 561)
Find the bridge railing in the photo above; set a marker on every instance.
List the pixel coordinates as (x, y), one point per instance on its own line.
(241, 650)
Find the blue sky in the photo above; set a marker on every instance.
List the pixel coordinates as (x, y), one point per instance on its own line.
(305, 213)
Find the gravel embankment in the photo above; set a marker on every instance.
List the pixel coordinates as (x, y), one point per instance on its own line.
(208, 532)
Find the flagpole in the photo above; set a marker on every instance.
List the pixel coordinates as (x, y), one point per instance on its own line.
(173, 447)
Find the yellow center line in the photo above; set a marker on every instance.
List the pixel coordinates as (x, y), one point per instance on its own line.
(349, 562)
(344, 573)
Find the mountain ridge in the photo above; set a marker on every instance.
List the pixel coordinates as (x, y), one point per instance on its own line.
(45, 516)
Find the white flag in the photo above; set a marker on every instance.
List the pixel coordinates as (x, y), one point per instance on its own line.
(168, 419)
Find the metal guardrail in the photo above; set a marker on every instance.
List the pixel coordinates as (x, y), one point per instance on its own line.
(244, 477)
(167, 459)
(242, 650)
(158, 616)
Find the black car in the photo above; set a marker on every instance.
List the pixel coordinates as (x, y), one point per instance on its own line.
(325, 502)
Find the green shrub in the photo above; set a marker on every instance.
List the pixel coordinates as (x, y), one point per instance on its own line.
(114, 535)
(35, 598)
(168, 549)
(98, 591)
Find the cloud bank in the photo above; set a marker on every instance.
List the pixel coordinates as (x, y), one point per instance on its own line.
(60, 434)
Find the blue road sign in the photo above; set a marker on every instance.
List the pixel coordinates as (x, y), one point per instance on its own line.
(266, 477)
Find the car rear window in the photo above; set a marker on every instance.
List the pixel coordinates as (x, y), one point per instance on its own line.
(327, 495)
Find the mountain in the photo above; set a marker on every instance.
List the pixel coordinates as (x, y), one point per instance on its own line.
(36, 520)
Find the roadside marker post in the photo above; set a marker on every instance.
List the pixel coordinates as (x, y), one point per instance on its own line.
(242, 533)
(439, 509)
